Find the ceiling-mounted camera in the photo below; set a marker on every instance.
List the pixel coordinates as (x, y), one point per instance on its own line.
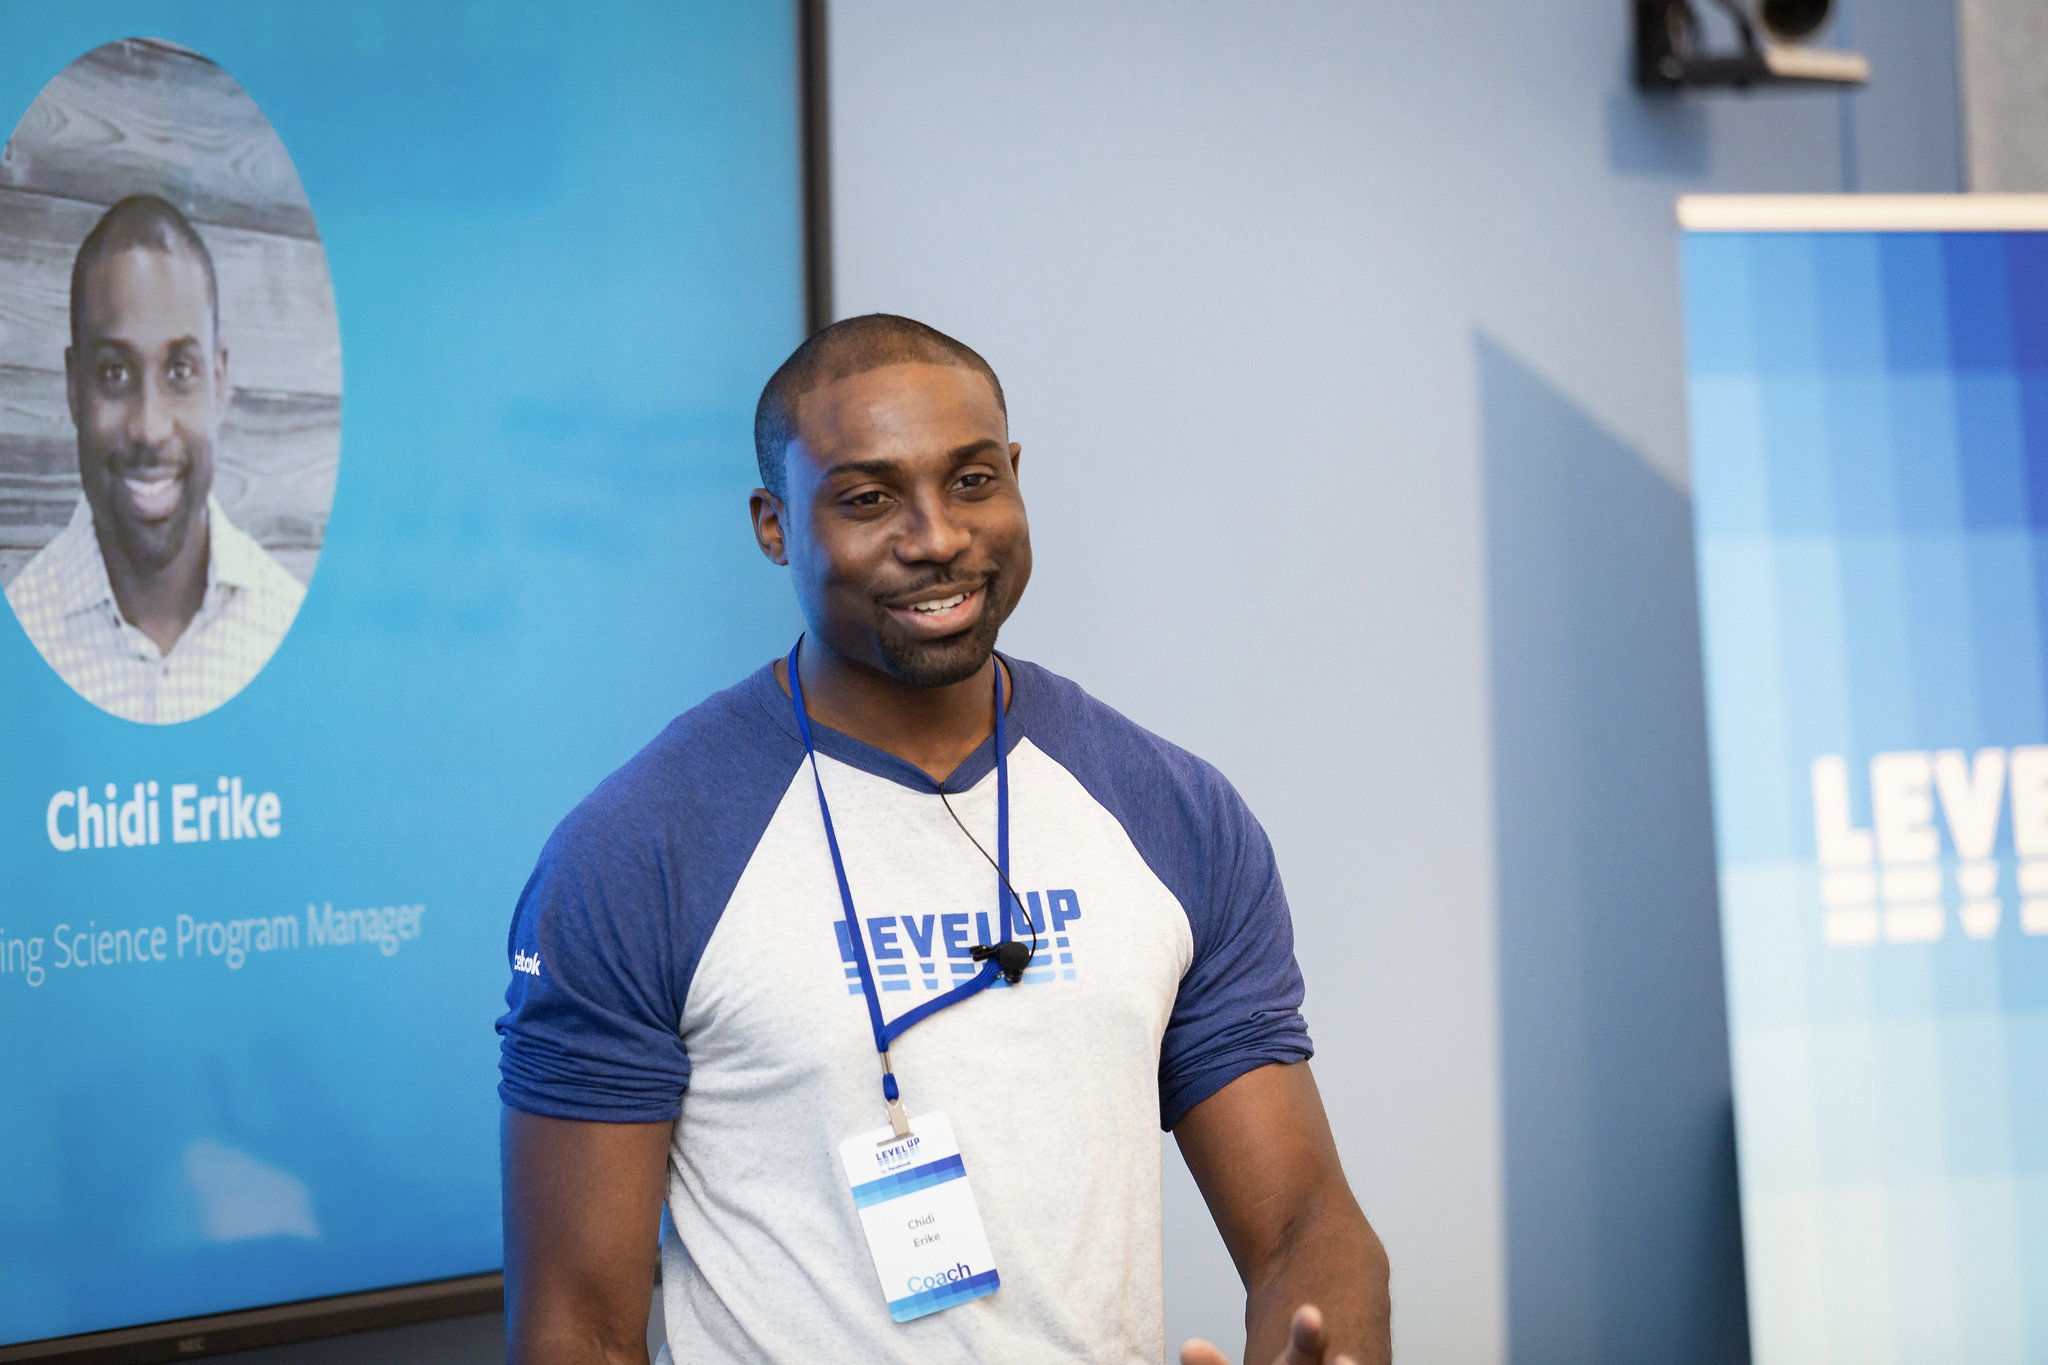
(1674, 49)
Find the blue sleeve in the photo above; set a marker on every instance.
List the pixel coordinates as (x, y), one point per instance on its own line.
(591, 1028)
(610, 927)
(1239, 1005)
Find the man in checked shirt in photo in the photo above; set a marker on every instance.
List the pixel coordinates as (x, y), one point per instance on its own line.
(150, 603)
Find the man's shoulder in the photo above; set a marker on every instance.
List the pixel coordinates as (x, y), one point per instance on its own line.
(1106, 749)
(272, 592)
(1179, 811)
(277, 582)
(624, 900)
(33, 589)
(57, 580)
(719, 766)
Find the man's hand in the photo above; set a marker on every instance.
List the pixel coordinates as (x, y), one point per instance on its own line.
(1306, 1344)
(1315, 1275)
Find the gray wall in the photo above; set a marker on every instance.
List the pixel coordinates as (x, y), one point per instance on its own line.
(1343, 341)
(2005, 93)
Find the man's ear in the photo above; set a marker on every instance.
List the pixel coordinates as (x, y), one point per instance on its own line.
(1016, 455)
(223, 391)
(766, 510)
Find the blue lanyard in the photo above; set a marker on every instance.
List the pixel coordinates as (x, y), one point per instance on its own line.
(886, 1034)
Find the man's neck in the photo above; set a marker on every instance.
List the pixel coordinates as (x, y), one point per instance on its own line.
(935, 728)
(161, 604)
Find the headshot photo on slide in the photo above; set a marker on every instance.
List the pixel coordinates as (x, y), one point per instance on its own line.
(170, 382)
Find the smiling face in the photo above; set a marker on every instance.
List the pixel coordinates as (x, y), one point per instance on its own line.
(147, 380)
(903, 522)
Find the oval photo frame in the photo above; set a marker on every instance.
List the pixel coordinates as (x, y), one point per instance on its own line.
(170, 382)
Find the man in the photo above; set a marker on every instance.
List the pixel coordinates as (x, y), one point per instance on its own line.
(150, 603)
(697, 1005)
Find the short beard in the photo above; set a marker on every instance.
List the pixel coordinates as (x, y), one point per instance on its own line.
(150, 553)
(149, 549)
(941, 663)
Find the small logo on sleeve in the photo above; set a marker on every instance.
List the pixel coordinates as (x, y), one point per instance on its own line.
(528, 963)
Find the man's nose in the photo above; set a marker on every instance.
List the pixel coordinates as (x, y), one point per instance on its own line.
(931, 532)
(151, 419)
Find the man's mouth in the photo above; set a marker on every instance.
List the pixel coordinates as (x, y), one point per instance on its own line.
(941, 614)
(153, 494)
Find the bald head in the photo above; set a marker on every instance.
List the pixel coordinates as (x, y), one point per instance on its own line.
(139, 222)
(846, 348)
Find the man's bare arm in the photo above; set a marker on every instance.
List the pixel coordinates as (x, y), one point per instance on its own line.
(582, 1205)
(1262, 1153)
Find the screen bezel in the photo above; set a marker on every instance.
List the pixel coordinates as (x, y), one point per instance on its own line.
(276, 1325)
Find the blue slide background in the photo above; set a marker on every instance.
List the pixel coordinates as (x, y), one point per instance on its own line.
(1870, 463)
(566, 246)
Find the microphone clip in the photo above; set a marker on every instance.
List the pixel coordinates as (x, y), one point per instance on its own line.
(1011, 958)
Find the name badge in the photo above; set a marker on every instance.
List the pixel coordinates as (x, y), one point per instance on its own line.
(918, 1212)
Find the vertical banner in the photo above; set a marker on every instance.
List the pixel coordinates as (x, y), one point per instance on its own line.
(1869, 410)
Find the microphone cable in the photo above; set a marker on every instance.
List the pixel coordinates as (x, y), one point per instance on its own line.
(1013, 970)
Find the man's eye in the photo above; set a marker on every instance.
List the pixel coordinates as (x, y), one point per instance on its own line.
(975, 480)
(181, 371)
(871, 498)
(113, 373)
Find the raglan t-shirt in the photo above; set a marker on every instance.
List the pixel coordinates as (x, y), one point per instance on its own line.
(681, 955)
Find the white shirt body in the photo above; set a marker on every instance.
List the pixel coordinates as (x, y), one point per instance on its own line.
(65, 601)
(682, 954)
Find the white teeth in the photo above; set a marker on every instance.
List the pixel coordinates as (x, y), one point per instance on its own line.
(944, 604)
(153, 498)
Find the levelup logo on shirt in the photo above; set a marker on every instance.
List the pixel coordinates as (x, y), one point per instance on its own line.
(936, 951)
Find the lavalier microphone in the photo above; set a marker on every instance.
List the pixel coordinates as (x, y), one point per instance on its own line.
(1011, 958)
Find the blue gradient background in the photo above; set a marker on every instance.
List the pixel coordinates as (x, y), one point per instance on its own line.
(566, 251)
(1870, 470)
